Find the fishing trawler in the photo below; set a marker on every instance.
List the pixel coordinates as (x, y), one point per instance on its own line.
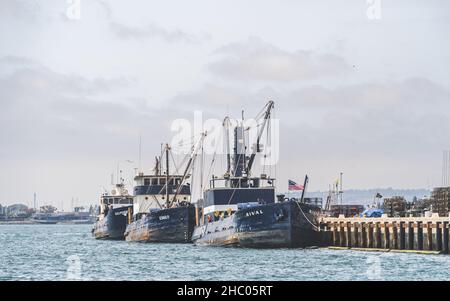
(112, 219)
(242, 210)
(162, 209)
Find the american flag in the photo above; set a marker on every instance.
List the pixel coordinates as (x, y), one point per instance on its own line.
(295, 186)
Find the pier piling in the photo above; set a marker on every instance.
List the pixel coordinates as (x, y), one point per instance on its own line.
(421, 234)
(445, 237)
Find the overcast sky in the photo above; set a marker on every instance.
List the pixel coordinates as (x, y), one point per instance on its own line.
(369, 97)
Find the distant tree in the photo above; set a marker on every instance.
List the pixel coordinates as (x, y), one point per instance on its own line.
(47, 209)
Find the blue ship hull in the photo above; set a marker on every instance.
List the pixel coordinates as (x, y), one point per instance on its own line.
(286, 225)
(173, 225)
(113, 225)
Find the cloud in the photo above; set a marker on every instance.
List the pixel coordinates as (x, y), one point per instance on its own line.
(27, 74)
(19, 9)
(395, 121)
(50, 114)
(364, 118)
(60, 131)
(399, 95)
(255, 59)
(126, 32)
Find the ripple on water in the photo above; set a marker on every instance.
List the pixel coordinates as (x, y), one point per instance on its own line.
(58, 252)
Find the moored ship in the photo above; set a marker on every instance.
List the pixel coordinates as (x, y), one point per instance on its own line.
(162, 210)
(112, 219)
(241, 210)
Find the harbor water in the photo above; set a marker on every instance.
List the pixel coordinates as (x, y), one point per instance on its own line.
(68, 252)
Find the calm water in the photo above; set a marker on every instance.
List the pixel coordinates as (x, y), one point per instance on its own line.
(60, 252)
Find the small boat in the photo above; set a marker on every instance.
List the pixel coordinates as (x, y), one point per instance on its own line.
(112, 219)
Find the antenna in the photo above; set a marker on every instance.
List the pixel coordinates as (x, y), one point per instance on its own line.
(445, 168)
(201, 166)
(117, 175)
(140, 151)
(160, 160)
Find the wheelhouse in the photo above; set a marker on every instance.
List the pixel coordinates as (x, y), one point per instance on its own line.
(156, 185)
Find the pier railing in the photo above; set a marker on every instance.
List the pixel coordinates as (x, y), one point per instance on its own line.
(418, 234)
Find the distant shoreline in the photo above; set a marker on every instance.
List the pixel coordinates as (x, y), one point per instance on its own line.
(17, 223)
(30, 222)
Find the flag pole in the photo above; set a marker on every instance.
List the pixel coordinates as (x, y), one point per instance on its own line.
(304, 188)
(289, 192)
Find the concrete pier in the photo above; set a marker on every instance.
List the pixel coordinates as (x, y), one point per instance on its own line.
(408, 234)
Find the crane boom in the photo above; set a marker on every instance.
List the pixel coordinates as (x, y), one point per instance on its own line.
(268, 109)
(192, 156)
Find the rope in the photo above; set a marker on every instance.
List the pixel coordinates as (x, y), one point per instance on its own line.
(301, 210)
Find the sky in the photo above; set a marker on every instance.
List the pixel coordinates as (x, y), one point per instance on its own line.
(360, 87)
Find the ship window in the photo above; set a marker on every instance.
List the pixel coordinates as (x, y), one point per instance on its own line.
(124, 201)
(155, 181)
(171, 182)
(177, 181)
(162, 181)
(146, 182)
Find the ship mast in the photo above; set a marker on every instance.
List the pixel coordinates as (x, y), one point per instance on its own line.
(167, 175)
(156, 169)
(226, 125)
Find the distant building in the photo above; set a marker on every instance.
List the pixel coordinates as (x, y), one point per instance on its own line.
(16, 211)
